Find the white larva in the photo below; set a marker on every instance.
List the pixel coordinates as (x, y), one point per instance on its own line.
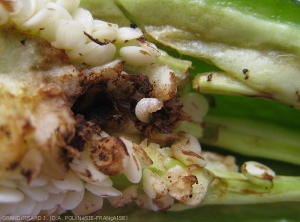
(145, 107)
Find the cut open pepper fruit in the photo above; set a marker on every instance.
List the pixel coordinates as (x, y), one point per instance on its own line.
(103, 110)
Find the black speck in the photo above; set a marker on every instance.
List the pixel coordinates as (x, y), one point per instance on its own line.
(209, 77)
(245, 71)
(23, 41)
(133, 26)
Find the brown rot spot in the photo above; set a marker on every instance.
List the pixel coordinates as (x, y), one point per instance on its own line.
(246, 73)
(41, 29)
(133, 25)
(209, 77)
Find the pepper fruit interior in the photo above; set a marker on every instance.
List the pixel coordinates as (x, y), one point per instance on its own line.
(105, 108)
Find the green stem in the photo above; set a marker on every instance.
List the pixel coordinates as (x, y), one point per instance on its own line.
(247, 137)
(234, 188)
(252, 138)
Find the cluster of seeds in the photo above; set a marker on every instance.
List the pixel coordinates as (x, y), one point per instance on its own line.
(86, 40)
(88, 182)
